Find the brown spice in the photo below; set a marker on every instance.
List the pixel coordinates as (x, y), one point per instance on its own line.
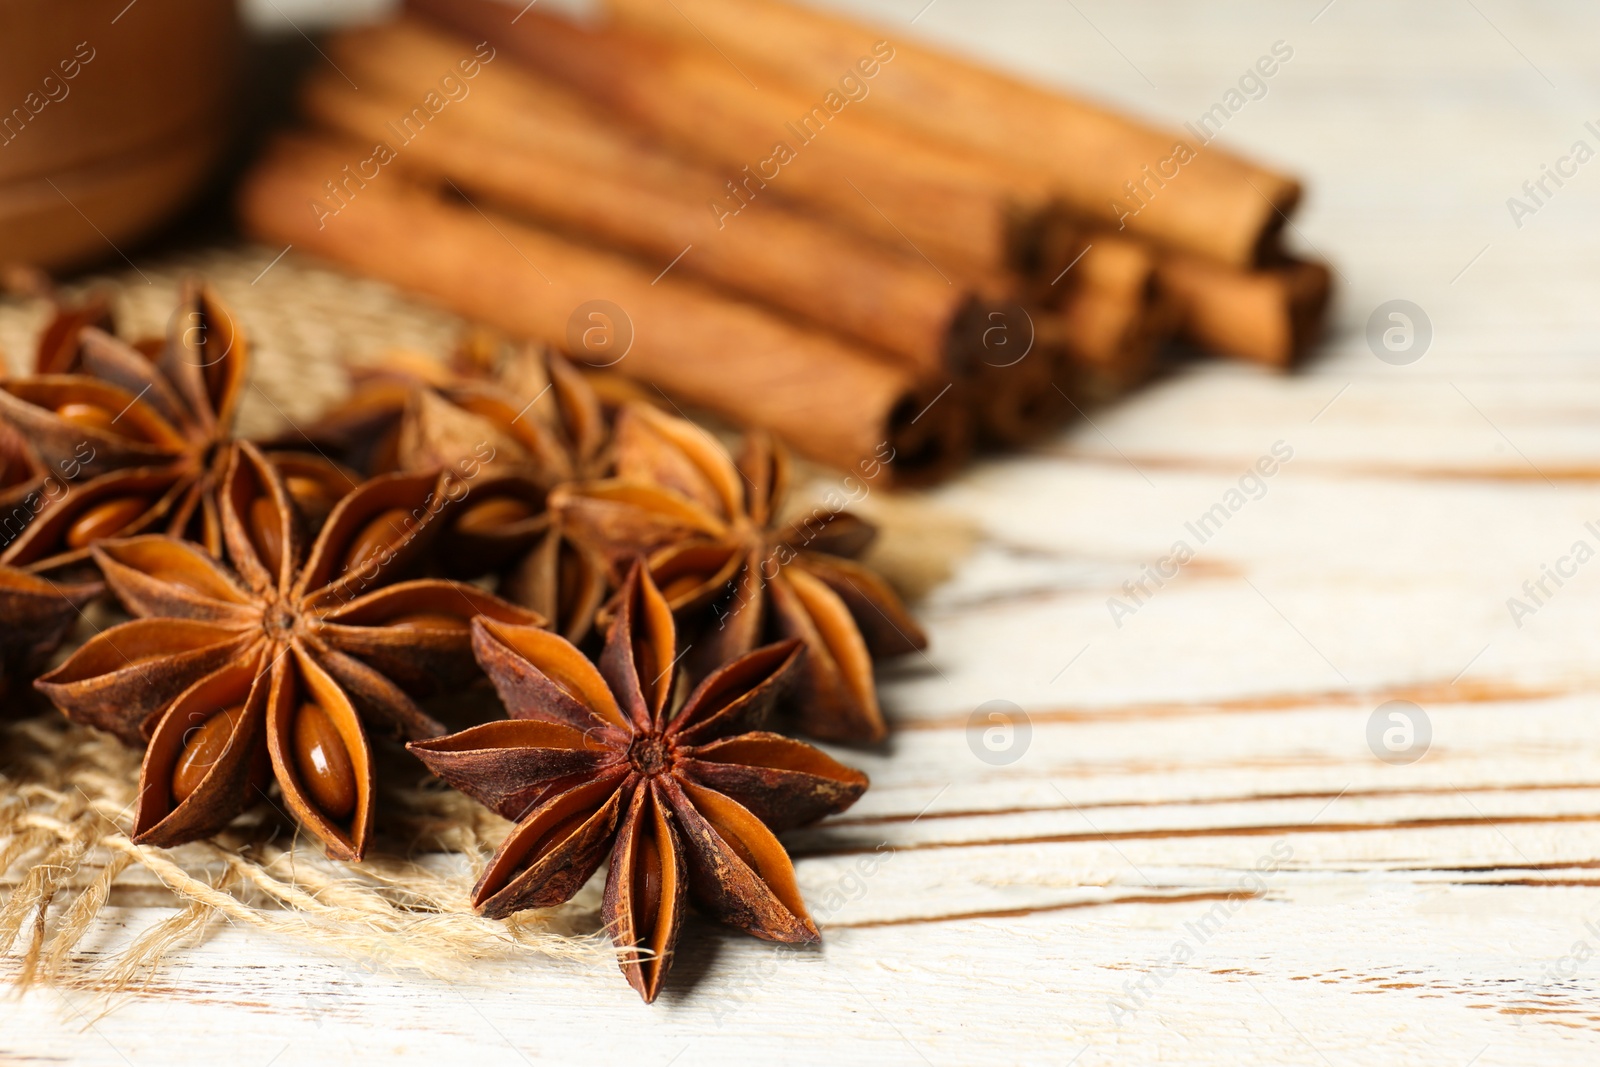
(604, 761)
(515, 421)
(126, 441)
(302, 642)
(736, 574)
(36, 613)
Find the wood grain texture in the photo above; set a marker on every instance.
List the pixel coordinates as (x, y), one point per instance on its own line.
(1198, 858)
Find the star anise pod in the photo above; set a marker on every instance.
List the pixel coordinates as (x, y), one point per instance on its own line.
(149, 435)
(138, 434)
(36, 613)
(57, 349)
(735, 574)
(279, 658)
(684, 799)
(36, 610)
(514, 421)
(409, 411)
(23, 475)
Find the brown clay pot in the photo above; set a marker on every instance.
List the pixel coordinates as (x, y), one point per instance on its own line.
(110, 115)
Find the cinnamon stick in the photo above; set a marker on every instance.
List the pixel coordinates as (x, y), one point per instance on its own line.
(1210, 203)
(830, 400)
(959, 210)
(1108, 328)
(1011, 371)
(533, 148)
(1269, 316)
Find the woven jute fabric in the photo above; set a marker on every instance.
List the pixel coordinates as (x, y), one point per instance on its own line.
(67, 792)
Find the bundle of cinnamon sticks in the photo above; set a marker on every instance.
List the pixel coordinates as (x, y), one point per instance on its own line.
(879, 251)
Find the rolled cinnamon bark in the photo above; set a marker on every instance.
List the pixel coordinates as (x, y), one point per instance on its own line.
(1107, 329)
(960, 210)
(830, 400)
(1269, 316)
(534, 149)
(1212, 204)
(1010, 374)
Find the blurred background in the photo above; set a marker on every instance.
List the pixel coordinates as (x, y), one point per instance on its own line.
(1408, 187)
(1423, 135)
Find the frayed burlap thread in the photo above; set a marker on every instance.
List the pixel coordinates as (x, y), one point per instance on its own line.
(65, 810)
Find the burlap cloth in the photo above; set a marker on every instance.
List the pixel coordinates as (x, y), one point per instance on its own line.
(66, 792)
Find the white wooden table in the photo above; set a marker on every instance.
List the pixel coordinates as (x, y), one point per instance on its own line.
(1097, 898)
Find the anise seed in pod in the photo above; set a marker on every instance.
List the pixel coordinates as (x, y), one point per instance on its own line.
(91, 415)
(494, 513)
(386, 530)
(39, 612)
(711, 528)
(323, 762)
(266, 532)
(647, 887)
(313, 498)
(105, 519)
(430, 620)
(545, 424)
(128, 420)
(205, 745)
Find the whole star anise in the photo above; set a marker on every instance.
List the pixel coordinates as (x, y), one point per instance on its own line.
(281, 656)
(514, 421)
(24, 478)
(37, 611)
(684, 799)
(148, 434)
(735, 575)
(138, 432)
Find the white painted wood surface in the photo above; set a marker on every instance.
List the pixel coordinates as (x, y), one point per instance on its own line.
(1074, 905)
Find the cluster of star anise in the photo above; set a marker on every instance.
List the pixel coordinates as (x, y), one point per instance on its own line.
(652, 615)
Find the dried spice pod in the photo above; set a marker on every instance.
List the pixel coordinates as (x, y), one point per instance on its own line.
(334, 628)
(518, 409)
(683, 799)
(22, 478)
(57, 349)
(513, 421)
(507, 524)
(167, 416)
(27, 484)
(560, 578)
(36, 613)
(315, 483)
(732, 570)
